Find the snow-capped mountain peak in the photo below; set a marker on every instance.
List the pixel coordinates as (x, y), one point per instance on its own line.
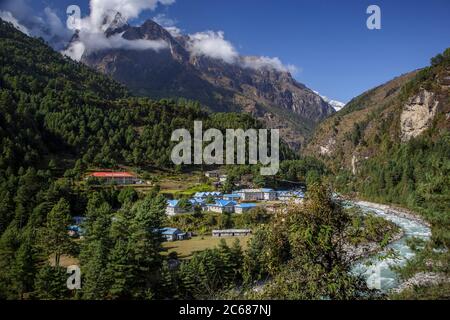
(337, 105)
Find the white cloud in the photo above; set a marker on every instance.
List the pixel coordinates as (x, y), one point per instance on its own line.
(169, 24)
(8, 17)
(258, 63)
(129, 9)
(75, 51)
(55, 31)
(54, 23)
(46, 24)
(164, 21)
(20, 10)
(174, 31)
(92, 42)
(213, 45)
(91, 36)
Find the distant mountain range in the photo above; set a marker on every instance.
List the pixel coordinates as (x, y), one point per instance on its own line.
(250, 85)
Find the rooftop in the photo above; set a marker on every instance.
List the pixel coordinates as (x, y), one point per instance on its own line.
(222, 203)
(234, 230)
(172, 203)
(255, 190)
(207, 194)
(112, 175)
(197, 201)
(170, 231)
(247, 205)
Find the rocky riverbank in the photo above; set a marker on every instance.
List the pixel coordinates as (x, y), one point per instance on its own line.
(427, 278)
(400, 212)
(361, 251)
(369, 260)
(422, 279)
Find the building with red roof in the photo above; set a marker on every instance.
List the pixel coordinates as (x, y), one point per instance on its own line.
(111, 177)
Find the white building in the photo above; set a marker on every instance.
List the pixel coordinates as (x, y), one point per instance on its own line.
(257, 194)
(231, 233)
(231, 197)
(221, 206)
(173, 234)
(173, 208)
(269, 194)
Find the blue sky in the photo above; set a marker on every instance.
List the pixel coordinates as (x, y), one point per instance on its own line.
(327, 40)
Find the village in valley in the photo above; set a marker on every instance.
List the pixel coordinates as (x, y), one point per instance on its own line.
(164, 150)
(239, 202)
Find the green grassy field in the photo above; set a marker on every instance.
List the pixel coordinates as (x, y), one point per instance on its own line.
(186, 248)
(178, 185)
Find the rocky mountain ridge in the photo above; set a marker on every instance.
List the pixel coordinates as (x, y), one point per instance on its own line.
(396, 112)
(270, 95)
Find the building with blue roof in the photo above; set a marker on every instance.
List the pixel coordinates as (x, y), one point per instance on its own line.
(199, 195)
(75, 231)
(221, 206)
(197, 202)
(173, 234)
(172, 203)
(231, 197)
(204, 195)
(257, 194)
(173, 208)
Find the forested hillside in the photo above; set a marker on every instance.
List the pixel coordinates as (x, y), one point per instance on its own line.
(53, 105)
(58, 118)
(392, 145)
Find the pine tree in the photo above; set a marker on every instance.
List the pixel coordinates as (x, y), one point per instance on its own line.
(237, 259)
(119, 268)
(25, 197)
(95, 249)
(9, 244)
(95, 280)
(119, 271)
(145, 243)
(188, 281)
(51, 283)
(127, 195)
(6, 210)
(169, 288)
(227, 263)
(54, 238)
(23, 270)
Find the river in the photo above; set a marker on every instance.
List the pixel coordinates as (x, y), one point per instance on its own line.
(378, 272)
